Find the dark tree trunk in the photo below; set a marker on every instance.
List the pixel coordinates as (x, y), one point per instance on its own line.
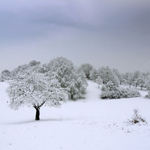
(37, 116)
(71, 96)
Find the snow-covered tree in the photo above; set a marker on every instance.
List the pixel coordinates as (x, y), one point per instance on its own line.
(148, 95)
(77, 87)
(119, 75)
(69, 78)
(62, 69)
(22, 71)
(141, 82)
(5, 75)
(107, 75)
(94, 75)
(147, 85)
(87, 69)
(135, 77)
(99, 80)
(128, 77)
(34, 63)
(147, 81)
(35, 90)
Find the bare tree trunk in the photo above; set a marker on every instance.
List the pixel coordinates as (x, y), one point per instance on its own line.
(71, 96)
(37, 108)
(37, 115)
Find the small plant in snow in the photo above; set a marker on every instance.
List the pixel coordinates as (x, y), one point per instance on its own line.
(137, 118)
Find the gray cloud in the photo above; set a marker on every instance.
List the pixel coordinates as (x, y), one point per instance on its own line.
(117, 30)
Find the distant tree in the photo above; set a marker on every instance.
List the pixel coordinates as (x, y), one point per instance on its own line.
(148, 95)
(118, 75)
(87, 69)
(70, 79)
(128, 77)
(99, 80)
(93, 75)
(5, 75)
(141, 82)
(135, 77)
(147, 81)
(35, 90)
(147, 85)
(34, 63)
(107, 75)
(77, 87)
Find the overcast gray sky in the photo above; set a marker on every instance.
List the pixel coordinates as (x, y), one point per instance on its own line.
(100, 32)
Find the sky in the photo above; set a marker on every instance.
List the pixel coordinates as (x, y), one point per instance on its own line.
(113, 33)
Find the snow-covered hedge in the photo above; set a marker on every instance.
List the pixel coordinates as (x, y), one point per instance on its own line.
(118, 92)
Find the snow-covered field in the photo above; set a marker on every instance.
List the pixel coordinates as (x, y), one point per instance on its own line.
(88, 124)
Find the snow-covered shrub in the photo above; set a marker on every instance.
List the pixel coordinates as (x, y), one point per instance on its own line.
(111, 86)
(110, 91)
(137, 118)
(35, 90)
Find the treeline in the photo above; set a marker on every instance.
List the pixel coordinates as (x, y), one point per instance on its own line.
(35, 84)
(116, 85)
(105, 74)
(101, 76)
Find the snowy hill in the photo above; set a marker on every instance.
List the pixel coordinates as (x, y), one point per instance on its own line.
(88, 124)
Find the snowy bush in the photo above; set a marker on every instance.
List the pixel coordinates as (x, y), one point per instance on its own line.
(35, 90)
(111, 86)
(110, 91)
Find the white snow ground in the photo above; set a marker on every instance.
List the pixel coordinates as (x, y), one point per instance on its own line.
(89, 124)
